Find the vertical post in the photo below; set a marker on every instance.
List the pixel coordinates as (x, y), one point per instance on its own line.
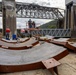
(67, 18)
(4, 20)
(9, 16)
(73, 25)
(65, 14)
(74, 17)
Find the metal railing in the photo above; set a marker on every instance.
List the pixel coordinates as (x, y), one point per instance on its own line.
(52, 32)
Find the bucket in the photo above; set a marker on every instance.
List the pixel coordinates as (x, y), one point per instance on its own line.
(14, 37)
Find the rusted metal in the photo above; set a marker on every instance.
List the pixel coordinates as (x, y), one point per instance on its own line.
(14, 42)
(19, 46)
(32, 66)
(51, 64)
(65, 44)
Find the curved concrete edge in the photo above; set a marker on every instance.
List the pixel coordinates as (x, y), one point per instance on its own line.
(15, 41)
(59, 43)
(33, 44)
(23, 47)
(71, 47)
(65, 44)
(32, 66)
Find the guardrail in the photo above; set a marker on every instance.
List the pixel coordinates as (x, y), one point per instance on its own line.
(52, 32)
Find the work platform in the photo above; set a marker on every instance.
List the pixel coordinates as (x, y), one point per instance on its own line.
(65, 42)
(28, 43)
(67, 67)
(29, 59)
(15, 60)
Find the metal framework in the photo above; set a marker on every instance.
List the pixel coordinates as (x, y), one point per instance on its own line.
(26, 10)
(52, 32)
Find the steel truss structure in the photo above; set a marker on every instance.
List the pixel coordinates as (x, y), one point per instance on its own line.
(52, 32)
(26, 10)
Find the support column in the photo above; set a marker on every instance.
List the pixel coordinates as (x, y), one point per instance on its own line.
(9, 16)
(74, 17)
(73, 25)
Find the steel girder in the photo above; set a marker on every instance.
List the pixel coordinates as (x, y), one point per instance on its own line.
(26, 10)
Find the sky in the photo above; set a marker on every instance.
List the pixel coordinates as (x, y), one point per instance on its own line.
(51, 3)
(21, 22)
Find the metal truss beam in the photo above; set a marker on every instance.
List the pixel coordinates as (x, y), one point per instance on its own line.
(52, 32)
(26, 10)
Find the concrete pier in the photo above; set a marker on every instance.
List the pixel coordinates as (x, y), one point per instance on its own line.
(9, 16)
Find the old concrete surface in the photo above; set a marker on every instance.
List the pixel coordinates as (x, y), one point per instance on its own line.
(67, 67)
(39, 53)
